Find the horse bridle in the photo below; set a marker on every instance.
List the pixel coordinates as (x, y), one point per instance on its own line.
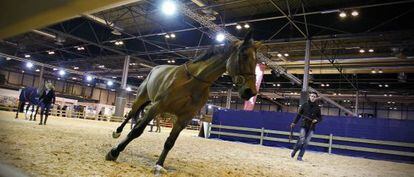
(240, 77)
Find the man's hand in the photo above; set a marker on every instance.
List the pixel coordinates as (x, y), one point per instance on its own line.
(314, 121)
(292, 125)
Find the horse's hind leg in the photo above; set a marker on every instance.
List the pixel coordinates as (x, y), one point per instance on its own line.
(27, 110)
(139, 104)
(134, 133)
(31, 114)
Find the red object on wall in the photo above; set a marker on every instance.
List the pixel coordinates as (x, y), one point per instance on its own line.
(249, 104)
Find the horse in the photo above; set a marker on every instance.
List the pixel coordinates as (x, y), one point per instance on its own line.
(183, 90)
(31, 96)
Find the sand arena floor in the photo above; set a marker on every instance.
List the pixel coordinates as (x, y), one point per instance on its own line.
(73, 147)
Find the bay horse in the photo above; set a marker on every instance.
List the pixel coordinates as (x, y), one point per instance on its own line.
(28, 95)
(183, 90)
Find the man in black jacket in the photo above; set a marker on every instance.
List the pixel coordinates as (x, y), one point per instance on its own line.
(311, 115)
(46, 100)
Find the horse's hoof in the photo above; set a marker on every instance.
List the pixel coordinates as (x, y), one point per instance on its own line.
(110, 157)
(158, 170)
(115, 135)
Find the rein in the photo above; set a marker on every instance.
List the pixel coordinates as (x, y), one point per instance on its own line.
(193, 76)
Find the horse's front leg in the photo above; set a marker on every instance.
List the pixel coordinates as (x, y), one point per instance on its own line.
(179, 125)
(134, 133)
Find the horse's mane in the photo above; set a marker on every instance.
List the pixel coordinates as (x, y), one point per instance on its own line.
(213, 50)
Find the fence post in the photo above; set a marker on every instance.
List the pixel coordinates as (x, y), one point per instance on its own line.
(330, 143)
(261, 136)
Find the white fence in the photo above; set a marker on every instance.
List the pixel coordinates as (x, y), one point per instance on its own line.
(331, 139)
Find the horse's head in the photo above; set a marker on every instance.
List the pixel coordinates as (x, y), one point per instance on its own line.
(241, 67)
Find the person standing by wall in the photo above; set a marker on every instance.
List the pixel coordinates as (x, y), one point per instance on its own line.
(310, 113)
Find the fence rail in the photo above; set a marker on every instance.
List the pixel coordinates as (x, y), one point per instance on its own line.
(330, 144)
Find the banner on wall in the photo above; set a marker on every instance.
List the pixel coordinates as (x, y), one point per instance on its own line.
(249, 104)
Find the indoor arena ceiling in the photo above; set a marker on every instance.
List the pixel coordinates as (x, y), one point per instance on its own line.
(345, 52)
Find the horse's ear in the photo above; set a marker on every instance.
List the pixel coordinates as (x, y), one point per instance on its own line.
(248, 39)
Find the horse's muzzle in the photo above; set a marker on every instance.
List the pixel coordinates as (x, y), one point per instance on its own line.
(247, 94)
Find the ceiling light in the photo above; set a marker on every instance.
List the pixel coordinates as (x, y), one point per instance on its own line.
(29, 65)
(361, 51)
(37, 70)
(75, 67)
(79, 48)
(322, 85)
(172, 35)
(354, 13)
(128, 89)
(385, 95)
(373, 71)
(342, 14)
(113, 77)
(62, 72)
(50, 52)
(386, 85)
(101, 66)
(89, 78)
(239, 27)
(169, 7)
(274, 85)
(110, 83)
(278, 85)
(279, 55)
(74, 78)
(55, 69)
(380, 71)
(286, 54)
(247, 26)
(220, 37)
(27, 56)
(22, 71)
(167, 36)
(380, 85)
(327, 85)
(371, 50)
(8, 58)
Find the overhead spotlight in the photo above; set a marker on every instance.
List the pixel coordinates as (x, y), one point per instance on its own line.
(239, 27)
(386, 85)
(327, 85)
(101, 66)
(339, 94)
(172, 35)
(8, 58)
(390, 95)
(274, 85)
(89, 78)
(119, 43)
(373, 71)
(354, 13)
(371, 50)
(220, 37)
(322, 85)
(27, 56)
(62, 72)
(278, 85)
(79, 48)
(37, 70)
(172, 61)
(286, 54)
(380, 71)
(50, 52)
(75, 68)
(361, 51)
(380, 85)
(55, 69)
(128, 89)
(247, 26)
(74, 78)
(167, 36)
(342, 15)
(334, 94)
(22, 71)
(385, 94)
(58, 78)
(29, 65)
(279, 55)
(169, 7)
(110, 83)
